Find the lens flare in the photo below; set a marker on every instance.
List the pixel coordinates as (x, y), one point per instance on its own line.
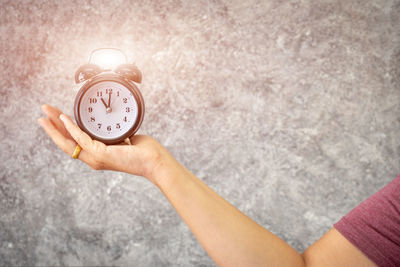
(107, 58)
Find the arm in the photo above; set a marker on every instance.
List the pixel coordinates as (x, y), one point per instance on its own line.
(233, 239)
(333, 250)
(229, 236)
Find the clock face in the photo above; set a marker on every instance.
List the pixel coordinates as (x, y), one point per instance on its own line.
(108, 110)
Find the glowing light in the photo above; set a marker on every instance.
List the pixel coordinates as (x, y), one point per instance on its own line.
(107, 58)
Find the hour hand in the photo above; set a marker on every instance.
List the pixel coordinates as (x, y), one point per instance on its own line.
(104, 102)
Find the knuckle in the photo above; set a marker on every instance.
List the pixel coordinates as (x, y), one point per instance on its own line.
(98, 147)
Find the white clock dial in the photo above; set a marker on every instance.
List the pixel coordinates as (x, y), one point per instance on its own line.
(108, 110)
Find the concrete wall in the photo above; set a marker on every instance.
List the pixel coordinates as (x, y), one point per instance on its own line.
(288, 109)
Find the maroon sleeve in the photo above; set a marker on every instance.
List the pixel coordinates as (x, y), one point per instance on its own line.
(374, 225)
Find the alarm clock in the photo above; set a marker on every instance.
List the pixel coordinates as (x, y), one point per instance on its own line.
(109, 106)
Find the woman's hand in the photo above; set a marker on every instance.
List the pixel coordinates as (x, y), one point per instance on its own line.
(145, 157)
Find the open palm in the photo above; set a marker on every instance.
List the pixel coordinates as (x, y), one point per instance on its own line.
(141, 158)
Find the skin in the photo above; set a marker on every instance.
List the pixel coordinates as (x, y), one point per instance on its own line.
(229, 236)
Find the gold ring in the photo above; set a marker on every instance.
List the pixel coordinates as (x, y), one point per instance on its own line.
(77, 150)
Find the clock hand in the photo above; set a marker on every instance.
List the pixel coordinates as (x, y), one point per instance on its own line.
(109, 99)
(104, 102)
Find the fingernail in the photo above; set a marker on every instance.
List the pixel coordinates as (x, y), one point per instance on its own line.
(62, 117)
(44, 107)
(41, 122)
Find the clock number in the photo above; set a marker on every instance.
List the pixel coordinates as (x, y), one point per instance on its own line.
(93, 100)
(117, 93)
(90, 109)
(118, 126)
(99, 94)
(125, 119)
(109, 91)
(128, 109)
(109, 128)
(125, 100)
(92, 119)
(99, 125)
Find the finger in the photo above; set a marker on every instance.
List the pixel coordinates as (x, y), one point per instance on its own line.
(54, 115)
(67, 145)
(82, 138)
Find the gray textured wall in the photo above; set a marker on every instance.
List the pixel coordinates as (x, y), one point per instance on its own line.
(288, 109)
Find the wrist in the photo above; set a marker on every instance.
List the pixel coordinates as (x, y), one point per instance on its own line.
(166, 169)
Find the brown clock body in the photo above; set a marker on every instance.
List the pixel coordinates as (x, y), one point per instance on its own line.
(114, 77)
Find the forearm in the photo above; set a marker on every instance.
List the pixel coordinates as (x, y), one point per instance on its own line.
(229, 236)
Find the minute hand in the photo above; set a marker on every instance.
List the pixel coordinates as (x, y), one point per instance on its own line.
(109, 99)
